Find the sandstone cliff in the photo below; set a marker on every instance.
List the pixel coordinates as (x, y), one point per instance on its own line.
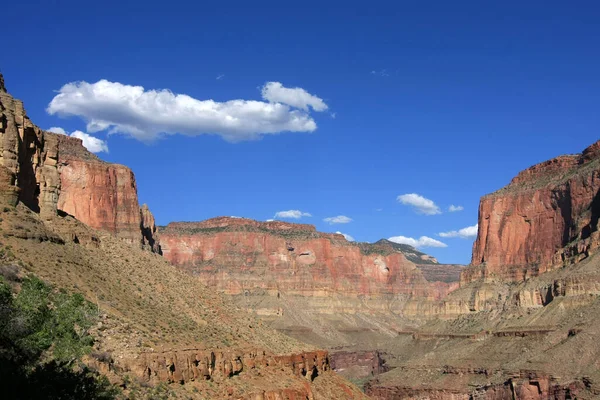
(49, 172)
(545, 218)
(28, 159)
(237, 254)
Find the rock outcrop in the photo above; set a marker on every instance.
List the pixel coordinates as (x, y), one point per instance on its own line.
(49, 172)
(545, 218)
(103, 195)
(28, 159)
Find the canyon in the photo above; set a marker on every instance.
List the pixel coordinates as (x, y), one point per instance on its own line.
(75, 221)
(495, 329)
(314, 286)
(244, 309)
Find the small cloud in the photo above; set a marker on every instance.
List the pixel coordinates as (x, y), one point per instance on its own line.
(293, 214)
(270, 220)
(454, 208)
(340, 219)
(464, 233)
(348, 237)
(421, 204)
(379, 209)
(333, 115)
(234, 216)
(220, 76)
(423, 241)
(93, 144)
(56, 129)
(380, 72)
(275, 92)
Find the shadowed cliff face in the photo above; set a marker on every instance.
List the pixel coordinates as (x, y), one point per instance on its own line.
(546, 217)
(28, 159)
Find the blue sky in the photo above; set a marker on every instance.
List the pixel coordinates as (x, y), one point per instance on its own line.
(447, 100)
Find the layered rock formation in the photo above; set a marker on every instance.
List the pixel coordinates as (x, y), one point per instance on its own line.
(237, 255)
(49, 172)
(28, 159)
(545, 218)
(316, 287)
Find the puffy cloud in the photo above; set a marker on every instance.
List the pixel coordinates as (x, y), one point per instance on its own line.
(421, 204)
(294, 214)
(146, 114)
(56, 129)
(348, 237)
(90, 142)
(454, 208)
(464, 233)
(275, 92)
(423, 241)
(340, 219)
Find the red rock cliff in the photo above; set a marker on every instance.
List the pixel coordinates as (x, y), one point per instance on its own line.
(546, 217)
(46, 172)
(237, 254)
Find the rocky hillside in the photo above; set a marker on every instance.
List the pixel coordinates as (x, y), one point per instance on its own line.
(158, 326)
(547, 217)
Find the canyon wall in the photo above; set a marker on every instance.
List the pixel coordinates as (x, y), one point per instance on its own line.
(49, 172)
(237, 255)
(545, 218)
(317, 287)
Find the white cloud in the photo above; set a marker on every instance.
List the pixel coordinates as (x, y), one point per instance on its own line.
(333, 115)
(340, 219)
(464, 233)
(270, 220)
(348, 237)
(421, 204)
(381, 72)
(220, 76)
(90, 142)
(423, 241)
(275, 92)
(146, 114)
(294, 214)
(56, 129)
(454, 208)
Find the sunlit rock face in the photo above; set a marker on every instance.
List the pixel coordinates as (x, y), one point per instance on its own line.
(237, 254)
(545, 218)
